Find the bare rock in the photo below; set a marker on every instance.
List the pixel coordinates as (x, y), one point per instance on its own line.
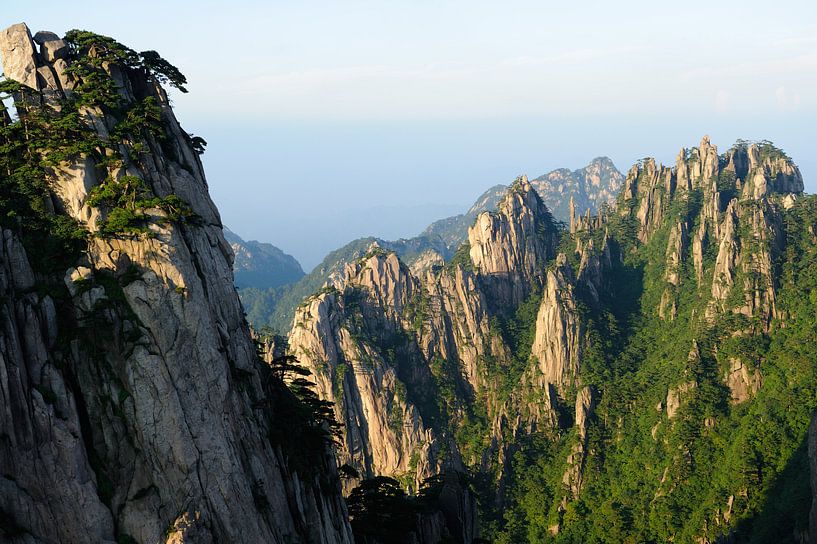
(512, 245)
(18, 55)
(52, 50)
(743, 382)
(164, 379)
(44, 36)
(676, 397)
(559, 329)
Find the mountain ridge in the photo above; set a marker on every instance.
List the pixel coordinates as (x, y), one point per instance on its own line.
(645, 373)
(518, 372)
(438, 242)
(261, 265)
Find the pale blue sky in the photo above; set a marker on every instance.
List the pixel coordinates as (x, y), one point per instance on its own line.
(331, 120)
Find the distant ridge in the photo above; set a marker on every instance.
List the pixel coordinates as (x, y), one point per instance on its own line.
(591, 186)
(262, 265)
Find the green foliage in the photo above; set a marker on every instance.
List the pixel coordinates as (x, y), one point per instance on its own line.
(518, 331)
(163, 71)
(28, 147)
(260, 303)
(380, 510)
(92, 52)
(140, 119)
(303, 424)
(125, 538)
(127, 199)
(43, 139)
(417, 310)
(650, 478)
(461, 257)
(198, 144)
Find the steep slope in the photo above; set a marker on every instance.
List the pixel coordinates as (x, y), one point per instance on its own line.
(678, 355)
(650, 379)
(260, 265)
(134, 407)
(275, 308)
(454, 230)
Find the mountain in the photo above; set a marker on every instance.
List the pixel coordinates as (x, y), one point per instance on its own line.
(642, 374)
(645, 374)
(133, 404)
(261, 265)
(588, 188)
(454, 230)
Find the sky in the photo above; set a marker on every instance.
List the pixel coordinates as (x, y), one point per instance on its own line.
(329, 120)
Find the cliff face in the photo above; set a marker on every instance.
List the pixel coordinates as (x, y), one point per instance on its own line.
(557, 344)
(133, 401)
(338, 335)
(591, 188)
(510, 248)
(410, 356)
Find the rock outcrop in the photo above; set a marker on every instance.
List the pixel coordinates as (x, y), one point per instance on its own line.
(510, 335)
(405, 353)
(590, 188)
(337, 335)
(557, 344)
(510, 248)
(133, 404)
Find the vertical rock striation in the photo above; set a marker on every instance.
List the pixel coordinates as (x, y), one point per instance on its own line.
(510, 248)
(134, 406)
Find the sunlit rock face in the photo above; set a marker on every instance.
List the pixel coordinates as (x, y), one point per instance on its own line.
(133, 403)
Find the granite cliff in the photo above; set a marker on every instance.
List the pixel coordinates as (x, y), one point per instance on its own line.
(134, 405)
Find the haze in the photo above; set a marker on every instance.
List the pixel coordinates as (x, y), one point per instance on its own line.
(332, 120)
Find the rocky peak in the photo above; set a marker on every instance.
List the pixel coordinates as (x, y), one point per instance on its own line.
(19, 55)
(165, 414)
(513, 244)
(557, 343)
(591, 188)
(770, 171)
(387, 280)
(338, 336)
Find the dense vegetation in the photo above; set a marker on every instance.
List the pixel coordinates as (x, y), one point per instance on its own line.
(699, 417)
(717, 467)
(381, 512)
(49, 134)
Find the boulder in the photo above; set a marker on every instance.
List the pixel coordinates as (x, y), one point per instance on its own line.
(18, 55)
(43, 36)
(53, 50)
